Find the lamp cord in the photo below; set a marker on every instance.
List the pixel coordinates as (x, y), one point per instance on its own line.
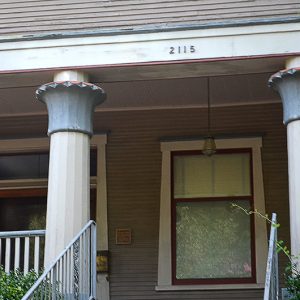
(208, 106)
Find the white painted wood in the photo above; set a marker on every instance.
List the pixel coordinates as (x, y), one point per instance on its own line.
(71, 76)
(7, 254)
(68, 203)
(17, 253)
(293, 138)
(36, 253)
(293, 146)
(293, 62)
(218, 43)
(26, 255)
(261, 241)
(164, 256)
(203, 287)
(101, 213)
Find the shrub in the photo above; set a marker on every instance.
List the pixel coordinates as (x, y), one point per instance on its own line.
(15, 284)
(292, 280)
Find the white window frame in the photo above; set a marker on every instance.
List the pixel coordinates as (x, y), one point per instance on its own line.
(165, 248)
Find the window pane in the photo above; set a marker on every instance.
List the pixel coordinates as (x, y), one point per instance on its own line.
(212, 240)
(232, 174)
(21, 166)
(219, 175)
(23, 213)
(33, 165)
(192, 176)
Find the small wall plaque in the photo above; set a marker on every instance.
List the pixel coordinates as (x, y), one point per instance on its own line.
(123, 236)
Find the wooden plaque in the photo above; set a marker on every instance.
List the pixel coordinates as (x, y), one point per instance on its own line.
(123, 236)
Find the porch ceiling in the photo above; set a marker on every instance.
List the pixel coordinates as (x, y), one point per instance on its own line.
(155, 86)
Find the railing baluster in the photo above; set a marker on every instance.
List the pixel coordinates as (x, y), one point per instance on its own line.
(82, 265)
(17, 253)
(0, 251)
(26, 256)
(7, 255)
(93, 260)
(271, 283)
(36, 253)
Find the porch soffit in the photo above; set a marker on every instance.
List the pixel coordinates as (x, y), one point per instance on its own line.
(175, 93)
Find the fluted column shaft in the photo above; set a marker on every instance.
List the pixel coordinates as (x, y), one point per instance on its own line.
(287, 83)
(70, 105)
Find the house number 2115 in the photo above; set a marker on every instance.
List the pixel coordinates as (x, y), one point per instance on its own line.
(182, 49)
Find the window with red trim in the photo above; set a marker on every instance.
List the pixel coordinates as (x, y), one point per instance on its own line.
(212, 242)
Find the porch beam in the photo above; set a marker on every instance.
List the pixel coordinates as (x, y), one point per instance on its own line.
(70, 102)
(106, 51)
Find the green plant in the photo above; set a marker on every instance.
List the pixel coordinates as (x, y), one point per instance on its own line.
(14, 285)
(292, 273)
(292, 280)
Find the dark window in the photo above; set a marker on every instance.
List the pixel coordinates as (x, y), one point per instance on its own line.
(33, 165)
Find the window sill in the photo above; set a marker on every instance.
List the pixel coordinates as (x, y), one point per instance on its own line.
(209, 287)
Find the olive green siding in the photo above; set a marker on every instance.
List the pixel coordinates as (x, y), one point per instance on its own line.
(36, 17)
(133, 178)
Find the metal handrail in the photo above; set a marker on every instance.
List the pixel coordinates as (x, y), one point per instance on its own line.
(272, 281)
(73, 274)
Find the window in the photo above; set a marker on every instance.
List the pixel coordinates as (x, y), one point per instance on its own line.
(211, 241)
(204, 242)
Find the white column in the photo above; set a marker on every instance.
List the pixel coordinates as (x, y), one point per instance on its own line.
(70, 102)
(293, 137)
(287, 83)
(68, 202)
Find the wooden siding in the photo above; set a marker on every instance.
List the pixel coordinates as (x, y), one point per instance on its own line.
(134, 170)
(30, 17)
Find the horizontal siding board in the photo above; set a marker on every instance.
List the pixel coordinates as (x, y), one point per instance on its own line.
(52, 4)
(167, 11)
(53, 16)
(133, 8)
(142, 21)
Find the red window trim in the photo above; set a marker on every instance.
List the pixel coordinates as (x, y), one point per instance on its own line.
(174, 201)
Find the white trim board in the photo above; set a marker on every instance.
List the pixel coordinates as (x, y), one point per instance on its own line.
(143, 48)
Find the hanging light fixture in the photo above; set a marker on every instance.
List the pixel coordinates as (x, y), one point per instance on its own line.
(209, 147)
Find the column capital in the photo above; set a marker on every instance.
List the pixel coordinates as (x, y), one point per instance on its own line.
(70, 105)
(287, 84)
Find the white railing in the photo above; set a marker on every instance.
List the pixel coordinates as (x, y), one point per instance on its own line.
(272, 280)
(22, 250)
(73, 275)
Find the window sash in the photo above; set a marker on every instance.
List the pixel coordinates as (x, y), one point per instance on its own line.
(175, 201)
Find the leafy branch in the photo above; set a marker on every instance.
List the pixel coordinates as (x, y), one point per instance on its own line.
(279, 244)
